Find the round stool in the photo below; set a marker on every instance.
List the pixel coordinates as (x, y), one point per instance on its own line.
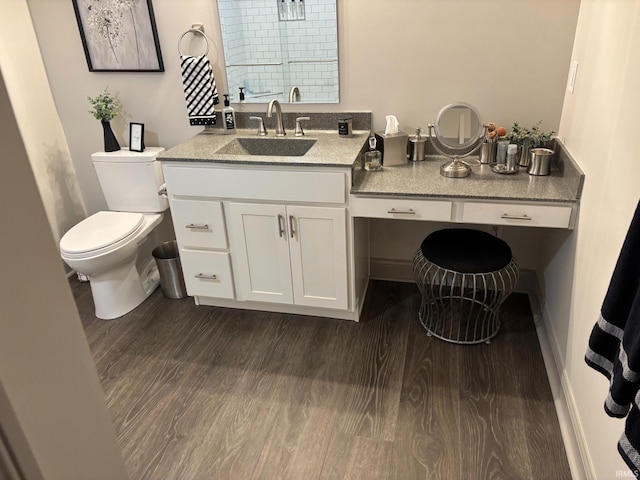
(464, 276)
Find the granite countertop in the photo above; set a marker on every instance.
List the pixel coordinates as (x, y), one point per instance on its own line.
(423, 179)
(413, 179)
(330, 149)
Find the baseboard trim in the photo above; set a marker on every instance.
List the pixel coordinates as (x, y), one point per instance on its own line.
(573, 433)
(570, 426)
(390, 269)
(395, 270)
(279, 308)
(586, 463)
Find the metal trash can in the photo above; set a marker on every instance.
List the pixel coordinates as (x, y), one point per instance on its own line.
(167, 258)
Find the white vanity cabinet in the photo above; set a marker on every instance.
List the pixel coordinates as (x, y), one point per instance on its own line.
(264, 237)
(291, 254)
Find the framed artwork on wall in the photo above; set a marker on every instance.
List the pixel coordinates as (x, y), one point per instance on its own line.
(119, 35)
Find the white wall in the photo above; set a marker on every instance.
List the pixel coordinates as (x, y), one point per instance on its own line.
(599, 126)
(28, 86)
(155, 99)
(52, 408)
(408, 57)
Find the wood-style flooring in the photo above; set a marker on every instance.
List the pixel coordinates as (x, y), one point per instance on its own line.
(199, 392)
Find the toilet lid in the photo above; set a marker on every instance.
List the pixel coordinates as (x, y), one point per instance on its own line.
(100, 230)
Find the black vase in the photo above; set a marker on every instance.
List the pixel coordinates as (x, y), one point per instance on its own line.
(110, 141)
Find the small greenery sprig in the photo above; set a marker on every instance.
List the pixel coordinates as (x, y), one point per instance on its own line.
(105, 106)
(529, 137)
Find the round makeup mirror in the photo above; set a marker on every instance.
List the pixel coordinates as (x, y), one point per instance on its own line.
(457, 133)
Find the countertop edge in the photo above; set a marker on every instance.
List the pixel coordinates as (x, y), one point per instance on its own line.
(423, 196)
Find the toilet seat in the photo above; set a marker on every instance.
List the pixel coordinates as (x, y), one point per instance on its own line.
(100, 233)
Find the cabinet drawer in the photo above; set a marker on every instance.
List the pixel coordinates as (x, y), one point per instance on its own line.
(199, 223)
(400, 208)
(279, 185)
(529, 215)
(207, 274)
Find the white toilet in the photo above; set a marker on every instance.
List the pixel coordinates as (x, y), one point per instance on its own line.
(106, 246)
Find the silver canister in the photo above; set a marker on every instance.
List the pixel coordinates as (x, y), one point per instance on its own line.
(488, 152)
(525, 156)
(540, 161)
(416, 148)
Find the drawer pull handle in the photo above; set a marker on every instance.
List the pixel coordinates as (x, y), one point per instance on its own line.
(516, 217)
(408, 211)
(292, 231)
(198, 226)
(280, 225)
(206, 276)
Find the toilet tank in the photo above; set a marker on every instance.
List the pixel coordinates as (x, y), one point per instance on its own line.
(130, 180)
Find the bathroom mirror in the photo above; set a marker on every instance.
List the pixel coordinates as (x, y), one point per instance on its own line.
(457, 133)
(272, 46)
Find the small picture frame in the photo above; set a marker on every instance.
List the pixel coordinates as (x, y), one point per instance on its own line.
(136, 137)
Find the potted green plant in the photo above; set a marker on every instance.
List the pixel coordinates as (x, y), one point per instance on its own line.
(106, 108)
(528, 138)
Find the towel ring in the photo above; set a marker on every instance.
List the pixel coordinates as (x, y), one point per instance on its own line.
(194, 31)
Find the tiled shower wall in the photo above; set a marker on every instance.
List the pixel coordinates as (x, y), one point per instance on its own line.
(268, 56)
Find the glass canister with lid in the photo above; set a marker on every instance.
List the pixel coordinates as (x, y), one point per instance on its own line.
(372, 158)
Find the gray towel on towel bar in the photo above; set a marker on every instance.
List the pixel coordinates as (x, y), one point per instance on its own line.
(200, 92)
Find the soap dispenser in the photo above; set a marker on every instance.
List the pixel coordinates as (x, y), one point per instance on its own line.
(417, 143)
(229, 116)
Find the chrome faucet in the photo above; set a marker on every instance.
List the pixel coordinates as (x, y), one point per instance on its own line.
(294, 95)
(279, 125)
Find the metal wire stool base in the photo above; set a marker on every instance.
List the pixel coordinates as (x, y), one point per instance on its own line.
(462, 308)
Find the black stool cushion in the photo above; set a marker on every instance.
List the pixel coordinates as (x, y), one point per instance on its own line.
(466, 251)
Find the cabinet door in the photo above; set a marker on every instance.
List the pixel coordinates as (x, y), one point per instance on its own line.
(261, 252)
(318, 246)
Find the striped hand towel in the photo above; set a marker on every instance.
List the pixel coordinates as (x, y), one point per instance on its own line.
(200, 90)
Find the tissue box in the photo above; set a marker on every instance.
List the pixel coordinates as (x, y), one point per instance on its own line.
(393, 147)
